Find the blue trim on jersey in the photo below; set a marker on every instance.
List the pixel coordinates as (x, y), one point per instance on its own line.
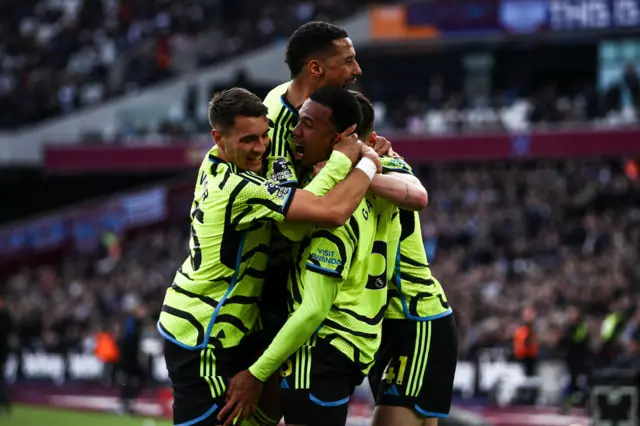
(403, 299)
(292, 111)
(321, 269)
(223, 299)
(206, 415)
(289, 182)
(429, 413)
(328, 404)
(396, 170)
(286, 202)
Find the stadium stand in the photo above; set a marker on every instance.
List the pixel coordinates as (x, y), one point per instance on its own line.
(57, 57)
(500, 238)
(532, 234)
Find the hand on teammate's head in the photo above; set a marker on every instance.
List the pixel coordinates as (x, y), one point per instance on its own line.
(382, 145)
(392, 153)
(347, 142)
(369, 152)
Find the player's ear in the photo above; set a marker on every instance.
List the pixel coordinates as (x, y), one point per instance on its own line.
(217, 138)
(315, 68)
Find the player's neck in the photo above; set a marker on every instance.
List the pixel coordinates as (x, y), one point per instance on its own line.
(222, 155)
(300, 90)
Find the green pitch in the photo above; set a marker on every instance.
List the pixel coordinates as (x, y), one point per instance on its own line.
(24, 415)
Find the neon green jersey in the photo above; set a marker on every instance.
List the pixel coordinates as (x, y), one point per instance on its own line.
(214, 296)
(413, 293)
(356, 254)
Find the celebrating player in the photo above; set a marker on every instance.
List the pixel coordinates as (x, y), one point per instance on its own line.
(319, 54)
(329, 342)
(211, 308)
(412, 378)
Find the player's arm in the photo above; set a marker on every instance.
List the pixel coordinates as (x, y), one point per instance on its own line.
(280, 165)
(319, 293)
(399, 186)
(256, 199)
(335, 208)
(337, 169)
(328, 264)
(404, 191)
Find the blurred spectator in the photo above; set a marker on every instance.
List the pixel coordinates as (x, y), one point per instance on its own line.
(59, 56)
(525, 342)
(501, 237)
(133, 374)
(107, 351)
(575, 345)
(6, 327)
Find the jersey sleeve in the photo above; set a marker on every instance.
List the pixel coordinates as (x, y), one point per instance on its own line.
(319, 294)
(254, 199)
(336, 170)
(395, 164)
(331, 252)
(281, 166)
(281, 170)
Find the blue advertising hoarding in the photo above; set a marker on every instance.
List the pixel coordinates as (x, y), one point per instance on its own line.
(521, 16)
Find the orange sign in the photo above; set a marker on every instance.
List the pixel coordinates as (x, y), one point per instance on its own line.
(390, 23)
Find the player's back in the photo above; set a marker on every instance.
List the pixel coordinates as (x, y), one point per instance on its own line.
(215, 292)
(354, 322)
(413, 293)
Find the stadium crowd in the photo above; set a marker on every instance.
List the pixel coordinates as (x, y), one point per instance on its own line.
(500, 238)
(57, 56)
(436, 110)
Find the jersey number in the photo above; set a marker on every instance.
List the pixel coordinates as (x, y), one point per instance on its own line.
(391, 373)
(378, 266)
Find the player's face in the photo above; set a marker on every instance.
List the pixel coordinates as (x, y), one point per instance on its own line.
(315, 134)
(245, 144)
(341, 68)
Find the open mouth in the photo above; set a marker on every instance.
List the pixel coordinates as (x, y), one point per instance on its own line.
(350, 82)
(299, 152)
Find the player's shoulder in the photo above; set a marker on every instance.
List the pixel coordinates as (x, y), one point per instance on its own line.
(273, 101)
(395, 164)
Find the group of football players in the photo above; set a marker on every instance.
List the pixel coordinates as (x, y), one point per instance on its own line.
(307, 270)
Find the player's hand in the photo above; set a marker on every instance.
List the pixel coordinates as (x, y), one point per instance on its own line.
(319, 166)
(392, 153)
(369, 152)
(348, 144)
(243, 394)
(382, 145)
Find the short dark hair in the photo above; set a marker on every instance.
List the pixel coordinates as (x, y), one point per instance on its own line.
(345, 109)
(367, 123)
(231, 103)
(310, 39)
